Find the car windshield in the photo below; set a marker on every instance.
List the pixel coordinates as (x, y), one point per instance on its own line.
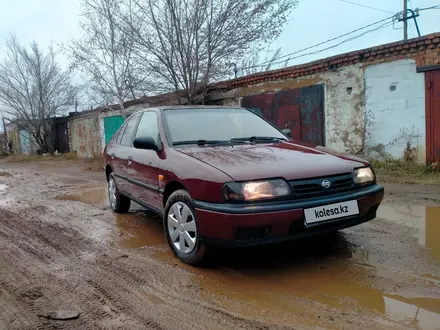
(186, 126)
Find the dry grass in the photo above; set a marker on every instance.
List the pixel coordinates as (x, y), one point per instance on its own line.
(91, 164)
(397, 171)
(5, 174)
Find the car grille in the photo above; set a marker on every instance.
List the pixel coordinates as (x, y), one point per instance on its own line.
(313, 187)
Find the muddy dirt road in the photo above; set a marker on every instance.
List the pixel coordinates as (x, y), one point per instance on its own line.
(64, 255)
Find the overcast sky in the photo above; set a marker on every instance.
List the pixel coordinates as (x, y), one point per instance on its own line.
(311, 22)
(314, 21)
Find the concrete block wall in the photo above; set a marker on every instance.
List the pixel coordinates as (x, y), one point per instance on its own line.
(85, 137)
(344, 108)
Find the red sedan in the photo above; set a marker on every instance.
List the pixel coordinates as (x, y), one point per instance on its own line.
(224, 176)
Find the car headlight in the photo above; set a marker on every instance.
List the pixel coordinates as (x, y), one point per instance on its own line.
(364, 175)
(256, 190)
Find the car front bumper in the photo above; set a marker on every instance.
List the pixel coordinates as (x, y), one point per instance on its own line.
(237, 225)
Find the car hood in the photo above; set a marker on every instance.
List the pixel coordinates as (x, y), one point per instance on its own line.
(259, 161)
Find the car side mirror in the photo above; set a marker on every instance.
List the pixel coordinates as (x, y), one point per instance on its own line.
(146, 143)
(287, 132)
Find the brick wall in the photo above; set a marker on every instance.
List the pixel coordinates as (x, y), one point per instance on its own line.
(425, 50)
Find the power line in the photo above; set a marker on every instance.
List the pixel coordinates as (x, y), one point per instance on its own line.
(369, 7)
(323, 49)
(322, 43)
(335, 38)
(427, 8)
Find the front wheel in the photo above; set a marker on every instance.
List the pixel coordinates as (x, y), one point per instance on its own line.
(118, 202)
(181, 229)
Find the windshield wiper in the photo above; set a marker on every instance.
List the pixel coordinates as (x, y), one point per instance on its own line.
(200, 142)
(258, 139)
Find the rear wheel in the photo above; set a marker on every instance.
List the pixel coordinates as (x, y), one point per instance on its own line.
(181, 228)
(118, 202)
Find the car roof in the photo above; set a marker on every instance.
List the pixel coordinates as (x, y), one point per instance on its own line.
(200, 107)
(193, 107)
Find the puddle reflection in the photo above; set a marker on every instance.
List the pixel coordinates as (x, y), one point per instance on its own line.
(425, 219)
(325, 270)
(432, 232)
(137, 229)
(423, 312)
(96, 196)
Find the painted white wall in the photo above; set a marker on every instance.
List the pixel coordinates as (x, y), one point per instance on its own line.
(395, 109)
(344, 108)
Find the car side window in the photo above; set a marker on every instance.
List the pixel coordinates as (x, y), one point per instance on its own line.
(119, 133)
(148, 126)
(130, 127)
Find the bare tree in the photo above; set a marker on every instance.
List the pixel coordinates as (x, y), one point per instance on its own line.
(33, 89)
(189, 43)
(104, 53)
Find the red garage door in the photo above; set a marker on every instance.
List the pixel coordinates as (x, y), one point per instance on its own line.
(301, 110)
(432, 85)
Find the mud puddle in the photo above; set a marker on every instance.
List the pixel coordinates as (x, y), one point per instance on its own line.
(323, 280)
(308, 279)
(300, 278)
(96, 196)
(136, 229)
(141, 229)
(425, 219)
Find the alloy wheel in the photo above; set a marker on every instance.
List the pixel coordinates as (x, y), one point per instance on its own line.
(182, 228)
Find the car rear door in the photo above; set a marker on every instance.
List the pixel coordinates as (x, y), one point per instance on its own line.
(122, 153)
(143, 172)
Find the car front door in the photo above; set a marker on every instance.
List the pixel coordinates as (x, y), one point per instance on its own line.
(122, 153)
(143, 172)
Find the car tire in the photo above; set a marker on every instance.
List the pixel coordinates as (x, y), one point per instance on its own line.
(180, 205)
(118, 202)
